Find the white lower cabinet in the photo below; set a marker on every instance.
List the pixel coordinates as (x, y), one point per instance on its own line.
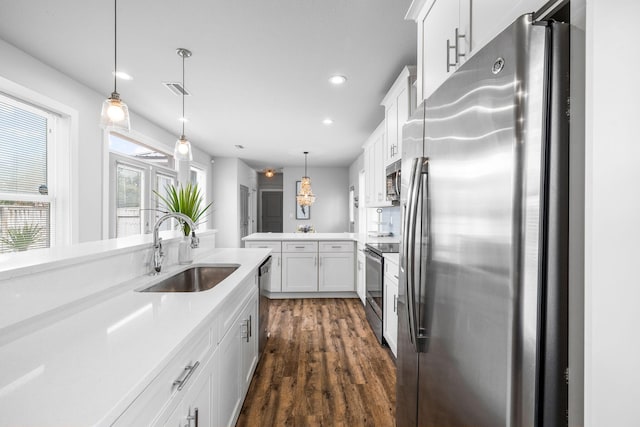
(276, 261)
(206, 382)
(197, 408)
(390, 309)
(238, 359)
(361, 273)
(299, 272)
(335, 271)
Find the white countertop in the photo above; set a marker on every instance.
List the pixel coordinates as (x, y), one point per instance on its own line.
(85, 369)
(362, 238)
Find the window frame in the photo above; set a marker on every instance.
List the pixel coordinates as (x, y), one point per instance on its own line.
(150, 171)
(61, 168)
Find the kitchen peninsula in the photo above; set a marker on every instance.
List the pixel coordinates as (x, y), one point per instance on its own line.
(124, 357)
(309, 265)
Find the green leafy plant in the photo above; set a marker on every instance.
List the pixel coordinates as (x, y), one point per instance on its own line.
(20, 238)
(186, 200)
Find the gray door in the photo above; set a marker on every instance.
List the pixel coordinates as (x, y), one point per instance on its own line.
(244, 211)
(271, 219)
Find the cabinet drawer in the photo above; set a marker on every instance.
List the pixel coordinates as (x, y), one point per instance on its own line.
(274, 246)
(161, 395)
(336, 246)
(299, 246)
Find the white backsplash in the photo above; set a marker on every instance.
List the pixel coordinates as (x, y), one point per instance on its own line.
(391, 217)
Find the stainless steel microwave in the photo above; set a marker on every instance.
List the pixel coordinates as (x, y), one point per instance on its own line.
(393, 182)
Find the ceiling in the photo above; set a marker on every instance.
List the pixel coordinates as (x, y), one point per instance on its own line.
(258, 74)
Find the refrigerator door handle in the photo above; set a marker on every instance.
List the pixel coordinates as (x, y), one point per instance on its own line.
(410, 258)
(423, 258)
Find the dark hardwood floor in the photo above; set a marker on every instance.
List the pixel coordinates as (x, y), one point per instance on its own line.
(322, 367)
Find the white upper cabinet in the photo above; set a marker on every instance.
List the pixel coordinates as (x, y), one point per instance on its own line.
(399, 104)
(443, 40)
(450, 31)
(375, 174)
(487, 23)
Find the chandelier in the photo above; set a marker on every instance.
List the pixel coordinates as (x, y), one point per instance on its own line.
(305, 197)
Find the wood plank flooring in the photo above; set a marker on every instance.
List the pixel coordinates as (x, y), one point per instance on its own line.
(322, 367)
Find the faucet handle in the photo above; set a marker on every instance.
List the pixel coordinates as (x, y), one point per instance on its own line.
(195, 240)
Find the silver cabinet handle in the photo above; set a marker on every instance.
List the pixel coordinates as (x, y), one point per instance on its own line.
(336, 247)
(279, 258)
(299, 247)
(250, 326)
(189, 369)
(395, 304)
(315, 261)
(456, 50)
(193, 417)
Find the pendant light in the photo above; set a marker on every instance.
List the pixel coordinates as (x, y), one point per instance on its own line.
(305, 197)
(115, 113)
(182, 150)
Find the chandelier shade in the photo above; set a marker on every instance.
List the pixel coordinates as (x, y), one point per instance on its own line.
(305, 197)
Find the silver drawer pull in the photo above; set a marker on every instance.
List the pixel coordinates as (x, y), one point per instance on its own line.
(189, 369)
(336, 247)
(299, 247)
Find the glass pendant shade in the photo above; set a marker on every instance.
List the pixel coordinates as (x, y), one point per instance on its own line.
(182, 150)
(115, 114)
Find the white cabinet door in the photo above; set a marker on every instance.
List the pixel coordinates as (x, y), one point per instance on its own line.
(391, 129)
(196, 407)
(361, 275)
(335, 272)
(487, 24)
(276, 273)
(379, 171)
(438, 27)
(399, 103)
(300, 272)
(229, 377)
(368, 176)
(249, 343)
(390, 314)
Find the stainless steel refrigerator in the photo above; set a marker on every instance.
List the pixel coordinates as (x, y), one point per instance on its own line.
(482, 338)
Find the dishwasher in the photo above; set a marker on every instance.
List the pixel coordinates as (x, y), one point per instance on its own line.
(264, 284)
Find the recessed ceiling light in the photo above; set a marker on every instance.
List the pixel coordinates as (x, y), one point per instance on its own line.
(122, 75)
(337, 79)
(327, 121)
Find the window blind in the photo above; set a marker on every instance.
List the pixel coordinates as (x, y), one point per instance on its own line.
(25, 207)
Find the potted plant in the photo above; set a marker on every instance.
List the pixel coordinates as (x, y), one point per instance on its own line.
(187, 200)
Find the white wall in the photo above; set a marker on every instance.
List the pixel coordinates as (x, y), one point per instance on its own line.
(28, 72)
(330, 213)
(612, 214)
(354, 172)
(228, 174)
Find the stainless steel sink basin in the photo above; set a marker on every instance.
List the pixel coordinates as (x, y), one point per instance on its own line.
(194, 279)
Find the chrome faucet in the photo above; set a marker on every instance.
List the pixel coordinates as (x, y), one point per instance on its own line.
(158, 255)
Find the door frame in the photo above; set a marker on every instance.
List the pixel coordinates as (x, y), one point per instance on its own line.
(260, 191)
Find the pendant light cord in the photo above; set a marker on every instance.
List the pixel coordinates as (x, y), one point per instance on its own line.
(183, 90)
(115, 43)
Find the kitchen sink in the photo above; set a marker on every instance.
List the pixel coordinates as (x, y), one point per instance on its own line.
(194, 279)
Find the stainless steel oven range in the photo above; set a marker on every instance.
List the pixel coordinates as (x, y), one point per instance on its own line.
(374, 282)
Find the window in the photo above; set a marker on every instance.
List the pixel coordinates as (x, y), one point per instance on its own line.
(27, 196)
(199, 176)
(136, 171)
